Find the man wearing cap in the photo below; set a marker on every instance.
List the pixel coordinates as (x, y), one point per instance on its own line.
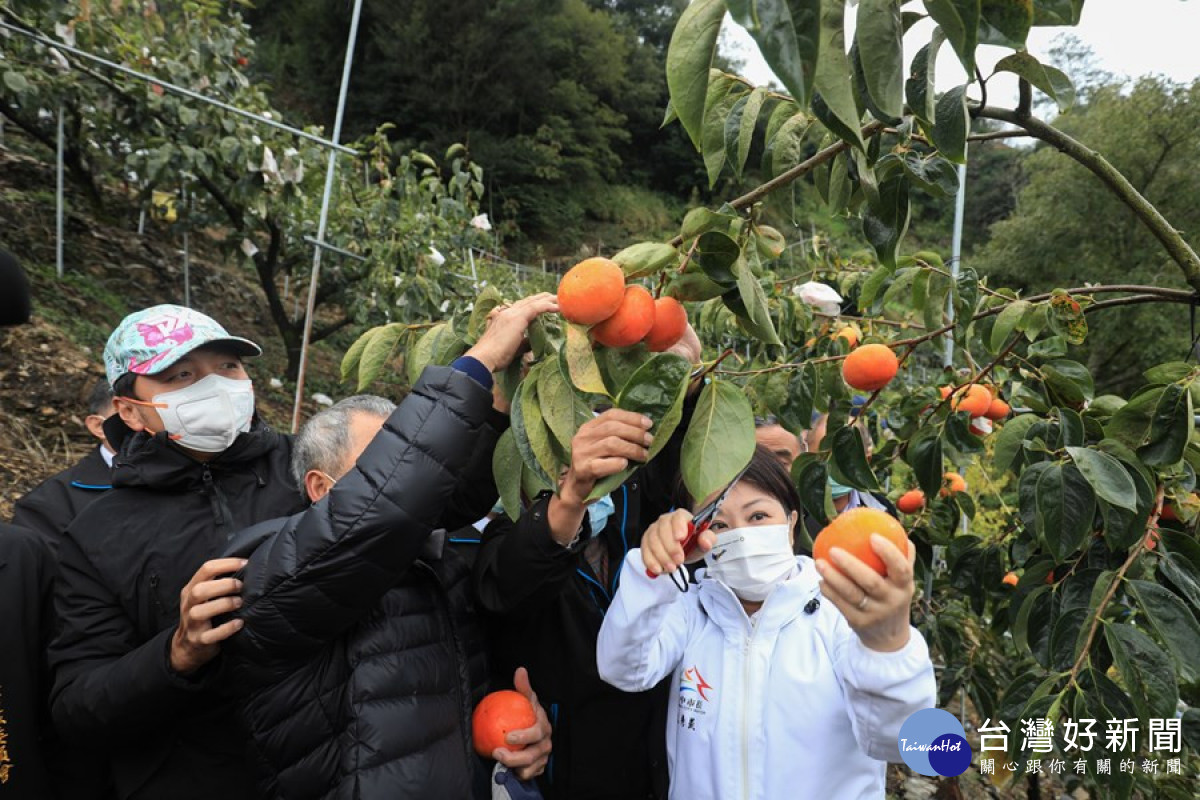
(144, 606)
(194, 465)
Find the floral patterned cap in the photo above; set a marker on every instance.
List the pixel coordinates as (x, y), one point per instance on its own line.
(148, 341)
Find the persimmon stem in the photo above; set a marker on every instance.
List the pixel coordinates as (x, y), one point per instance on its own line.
(713, 366)
(687, 259)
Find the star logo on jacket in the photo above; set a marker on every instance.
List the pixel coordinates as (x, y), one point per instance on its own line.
(693, 681)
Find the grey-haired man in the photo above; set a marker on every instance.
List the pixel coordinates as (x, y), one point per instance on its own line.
(361, 657)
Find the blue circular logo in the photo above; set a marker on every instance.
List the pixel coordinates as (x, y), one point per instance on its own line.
(932, 742)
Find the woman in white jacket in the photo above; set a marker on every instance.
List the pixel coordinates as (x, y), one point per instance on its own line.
(775, 692)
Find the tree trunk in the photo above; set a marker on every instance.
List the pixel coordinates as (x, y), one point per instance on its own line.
(293, 355)
(266, 264)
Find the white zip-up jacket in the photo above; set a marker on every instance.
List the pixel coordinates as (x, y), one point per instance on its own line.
(785, 704)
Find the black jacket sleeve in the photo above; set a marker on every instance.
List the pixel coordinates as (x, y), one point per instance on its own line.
(107, 680)
(521, 564)
(329, 565)
(45, 509)
(476, 491)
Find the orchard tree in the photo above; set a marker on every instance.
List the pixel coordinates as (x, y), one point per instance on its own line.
(252, 188)
(1081, 604)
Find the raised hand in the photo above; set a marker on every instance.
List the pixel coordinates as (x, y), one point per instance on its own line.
(662, 543)
(603, 446)
(506, 328)
(876, 607)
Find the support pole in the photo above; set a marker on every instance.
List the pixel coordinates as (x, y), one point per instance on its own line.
(960, 205)
(187, 260)
(329, 176)
(59, 211)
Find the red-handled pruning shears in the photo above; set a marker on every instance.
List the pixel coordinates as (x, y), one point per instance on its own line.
(700, 522)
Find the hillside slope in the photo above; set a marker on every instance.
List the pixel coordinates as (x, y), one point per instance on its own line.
(48, 366)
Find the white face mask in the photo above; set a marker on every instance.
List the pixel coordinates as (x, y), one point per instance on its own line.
(752, 561)
(208, 415)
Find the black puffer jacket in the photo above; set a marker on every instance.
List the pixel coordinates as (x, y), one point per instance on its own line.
(123, 563)
(360, 658)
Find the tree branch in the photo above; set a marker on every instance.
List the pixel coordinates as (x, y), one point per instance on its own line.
(975, 137)
(1151, 524)
(32, 130)
(266, 264)
(73, 159)
(1162, 158)
(804, 167)
(236, 215)
(1170, 238)
(324, 331)
(1132, 300)
(982, 81)
(1024, 99)
(785, 178)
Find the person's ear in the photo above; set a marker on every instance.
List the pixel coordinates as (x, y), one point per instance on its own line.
(95, 425)
(129, 414)
(793, 518)
(317, 484)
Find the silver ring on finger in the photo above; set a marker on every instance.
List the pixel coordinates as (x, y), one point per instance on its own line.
(862, 604)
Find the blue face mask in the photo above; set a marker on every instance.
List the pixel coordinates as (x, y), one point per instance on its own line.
(838, 489)
(599, 512)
